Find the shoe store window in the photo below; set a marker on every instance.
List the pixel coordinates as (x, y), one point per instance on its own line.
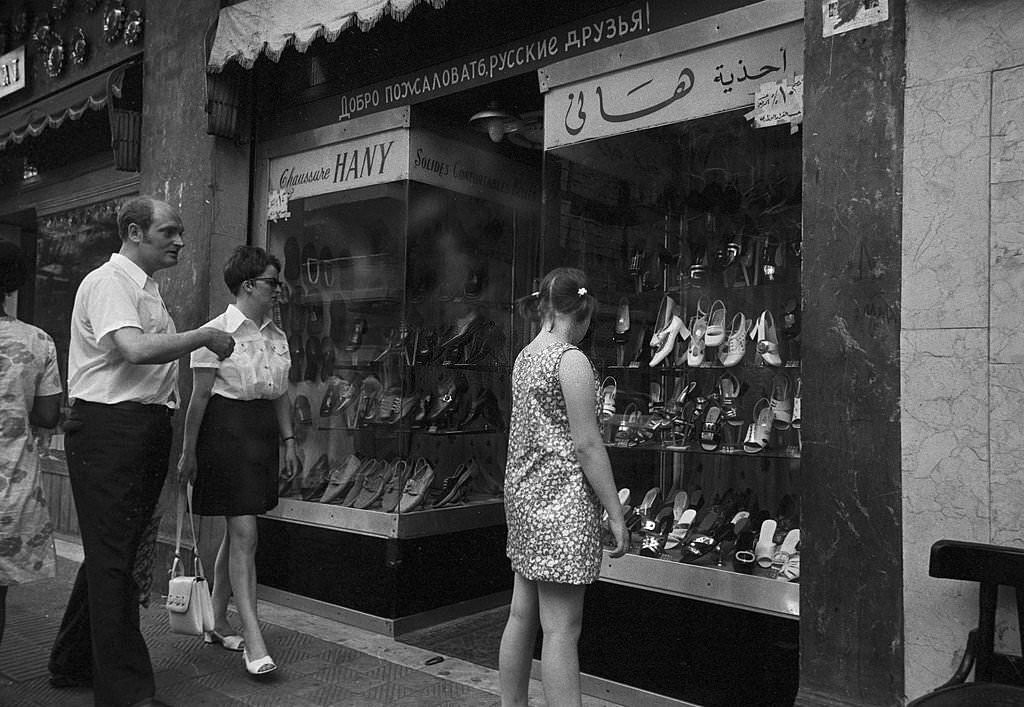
(676, 185)
(397, 249)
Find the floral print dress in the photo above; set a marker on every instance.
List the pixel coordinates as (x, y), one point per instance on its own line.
(28, 368)
(553, 514)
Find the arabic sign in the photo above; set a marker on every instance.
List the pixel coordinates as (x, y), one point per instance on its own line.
(779, 103)
(710, 80)
(467, 170)
(12, 71)
(373, 159)
(839, 16)
(630, 20)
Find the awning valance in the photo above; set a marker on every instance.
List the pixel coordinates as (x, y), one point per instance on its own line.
(248, 28)
(51, 112)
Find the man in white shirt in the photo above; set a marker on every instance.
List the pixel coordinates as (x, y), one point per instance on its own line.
(122, 386)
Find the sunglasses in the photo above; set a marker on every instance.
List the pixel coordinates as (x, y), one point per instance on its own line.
(272, 281)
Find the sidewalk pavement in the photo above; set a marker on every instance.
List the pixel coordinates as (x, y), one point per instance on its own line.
(321, 662)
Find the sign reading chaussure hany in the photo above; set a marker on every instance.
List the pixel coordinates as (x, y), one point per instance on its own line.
(12, 71)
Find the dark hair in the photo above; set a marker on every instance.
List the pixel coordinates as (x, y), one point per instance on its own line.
(138, 210)
(562, 291)
(13, 268)
(246, 263)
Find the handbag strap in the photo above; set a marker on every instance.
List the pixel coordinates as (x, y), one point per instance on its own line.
(185, 500)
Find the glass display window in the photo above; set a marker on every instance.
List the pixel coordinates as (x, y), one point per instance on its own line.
(690, 236)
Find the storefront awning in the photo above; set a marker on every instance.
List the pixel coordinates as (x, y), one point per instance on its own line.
(69, 103)
(248, 28)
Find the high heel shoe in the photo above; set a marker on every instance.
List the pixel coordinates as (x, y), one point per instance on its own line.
(260, 666)
(668, 338)
(767, 339)
(230, 641)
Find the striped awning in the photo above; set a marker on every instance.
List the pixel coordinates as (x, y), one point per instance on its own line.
(268, 26)
(67, 104)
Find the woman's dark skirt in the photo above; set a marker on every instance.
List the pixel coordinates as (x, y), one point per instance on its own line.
(237, 456)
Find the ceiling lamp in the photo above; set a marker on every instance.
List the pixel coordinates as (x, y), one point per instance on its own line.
(495, 122)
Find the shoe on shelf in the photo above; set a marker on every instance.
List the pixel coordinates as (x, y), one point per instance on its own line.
(666, 339)
(715, 333)
(695, 351)
(767, 339)
(416, 487)
(454, 486)
(314, 481)
(764, 547)
(759, 431)
(621, 335)
(645, 510)
(797, 417)
(608, 391)
(730, 389)
(735, 347)
(331, 396)
(785, 551)
(394, 486)
(781, 403)
(368, 466)
(340, 478)
(711, 433)
(373, 485)
(699, 322)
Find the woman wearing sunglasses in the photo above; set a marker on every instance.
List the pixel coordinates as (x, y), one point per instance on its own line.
(238, 410)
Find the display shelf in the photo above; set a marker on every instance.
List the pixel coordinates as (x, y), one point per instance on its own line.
(786, 453)
(712, 584)
(414, 524)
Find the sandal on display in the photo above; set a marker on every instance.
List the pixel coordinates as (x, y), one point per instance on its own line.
(780, 403)
(767, 339)
(730, 389)
(715, 333)
(682, 392)
(416, 487)
(626, 428)
(711, 434)
(735, 347)
(699, 322)
(764, 548)
(695, 351)
(621, 335)
(782, 555)
(759, 431)
(797, 417)
(681, 527)
(643, 511)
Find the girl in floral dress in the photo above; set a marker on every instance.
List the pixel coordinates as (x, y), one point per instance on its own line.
(30, 393)
(557, 480)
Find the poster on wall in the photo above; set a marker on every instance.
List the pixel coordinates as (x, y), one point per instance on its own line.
(841, 16)
(710, 80)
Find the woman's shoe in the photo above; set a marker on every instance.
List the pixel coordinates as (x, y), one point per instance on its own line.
(780, 403)
(735, 347)
(711, 435)
(715, 333)
(764, 548)
(260, 666)
(230, 641)
(767, 339)
(797, 417)
(759, 432)
(695, 351)
(608, 391)
(730, 389)
(667, 338)
(621, 335)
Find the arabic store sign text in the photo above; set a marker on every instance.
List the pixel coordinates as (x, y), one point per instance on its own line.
(12, 71)
(704, 82)
(375, 159)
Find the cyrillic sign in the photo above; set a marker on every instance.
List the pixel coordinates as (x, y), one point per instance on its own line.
(12, 71)
(624, 23)
(711, 80)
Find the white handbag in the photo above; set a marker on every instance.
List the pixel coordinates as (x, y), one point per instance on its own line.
(189, 607)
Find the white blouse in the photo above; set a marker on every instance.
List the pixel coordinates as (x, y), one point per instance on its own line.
(257, 368)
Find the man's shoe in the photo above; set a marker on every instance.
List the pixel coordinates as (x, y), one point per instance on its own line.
(66, 681)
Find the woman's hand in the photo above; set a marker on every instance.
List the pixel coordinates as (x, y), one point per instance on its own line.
(621, 535)
(186, 469)
(292, 464)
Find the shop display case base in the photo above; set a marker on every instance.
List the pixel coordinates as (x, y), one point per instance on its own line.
(702, 653)
(385, 584)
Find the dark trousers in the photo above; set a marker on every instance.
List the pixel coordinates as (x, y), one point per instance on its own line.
(117, 460)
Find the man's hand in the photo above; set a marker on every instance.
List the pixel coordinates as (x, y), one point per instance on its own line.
(220, 342)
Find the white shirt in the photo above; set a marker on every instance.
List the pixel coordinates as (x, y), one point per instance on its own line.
(257, 368)
(116, 295)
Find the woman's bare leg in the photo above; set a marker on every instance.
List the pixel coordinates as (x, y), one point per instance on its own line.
(515, 657)
(561, 615)
(242, 567)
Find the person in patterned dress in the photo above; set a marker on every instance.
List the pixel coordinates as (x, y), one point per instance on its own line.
(557, 480)
(29, 395)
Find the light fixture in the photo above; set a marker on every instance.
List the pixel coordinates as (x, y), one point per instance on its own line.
(495, 122)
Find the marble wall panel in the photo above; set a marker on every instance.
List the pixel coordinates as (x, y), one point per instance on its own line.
(945, 214)
(1007, 445)
(1007, 273)
(952, 39)
(1008, 125)
(944, 427)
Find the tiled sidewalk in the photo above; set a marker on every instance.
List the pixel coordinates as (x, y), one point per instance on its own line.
(322, 662)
